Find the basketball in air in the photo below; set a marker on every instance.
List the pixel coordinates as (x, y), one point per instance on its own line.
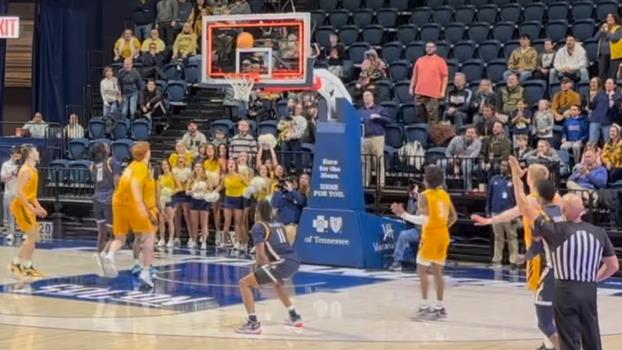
(245, 40)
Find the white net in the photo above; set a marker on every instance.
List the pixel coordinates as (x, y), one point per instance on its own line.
(242, 86)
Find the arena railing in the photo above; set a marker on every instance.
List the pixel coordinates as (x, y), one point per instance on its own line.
(52, 147)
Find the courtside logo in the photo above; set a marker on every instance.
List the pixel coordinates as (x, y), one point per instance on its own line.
(320, 224)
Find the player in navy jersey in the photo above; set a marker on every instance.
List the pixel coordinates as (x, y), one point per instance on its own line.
(275, 262)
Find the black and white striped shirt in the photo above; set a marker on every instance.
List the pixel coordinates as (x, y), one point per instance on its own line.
(577, 248)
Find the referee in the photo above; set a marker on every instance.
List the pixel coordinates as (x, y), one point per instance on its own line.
(577, 250)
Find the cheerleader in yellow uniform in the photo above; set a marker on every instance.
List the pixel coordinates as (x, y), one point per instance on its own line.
(181, 201)
(197, 189)
(235, 185)
(167, 185)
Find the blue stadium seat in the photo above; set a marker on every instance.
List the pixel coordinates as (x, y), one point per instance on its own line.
(591, 49)
(538, 44)
(141, 129)
(479, 3)
(488, 50)
(407, 33)
(192, 73)
(338, 18)
(268, 127)
(400, 70)
(502, 2)
(387, 17)
(605, 7)
(495, 69)
(472, 69)
(583, 29)
(394, 135)
(373, 34)
(534, 12)
(374, 4)
(464, 50)
(531, 28)
(121, 149)
(582, 10)
(121, 129)
(583, 88)
(508, 47)
(363, 17)
(391, 108)
(414, 50)
(430, 32)
(456, 3)
(222, 124)
(401, 90)
(328, 5)
(553, 89)
(435, 3)
(535, 90)
(162, 84)
(96, 141)
(281, 109)
(503, 31)
(556, 30)
(564, 156)
(348, 34)
(357, 51)
(443, 15)
(390, 159)
(383, 90)
(79, 172)
(452, 67)
(558, 10)
(97, 128)
(417, 132)
(510, 13)
(465, 14)
(318, 18)
(487, 13)
(78, 148)
(176, 92)
(454, 32)
(421, 16)
(392, 51)
(434, 154)
(408, 113)
(171, 72)
(400, 5)
(257, 6)
(524, 3)
(57, 172)
(322, 35)
(351, 4)
(479, 31)
(442, 48)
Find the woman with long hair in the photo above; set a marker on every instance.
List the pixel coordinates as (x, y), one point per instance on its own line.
(182, 173)
(222, 154)
(200, 9)
(596, 86)
(199, 214)
(109, 90)
(609, 47)
(612, 154)
(167, 185)
(277, 175)
(304, 184)
(235, 185)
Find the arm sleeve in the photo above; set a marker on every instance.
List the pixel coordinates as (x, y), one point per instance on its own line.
(298, 198)
(608, 249)
(598, 177)
(277, 200)
(415, 219)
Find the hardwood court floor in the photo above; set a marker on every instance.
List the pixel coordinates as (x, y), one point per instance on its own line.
(195, 305)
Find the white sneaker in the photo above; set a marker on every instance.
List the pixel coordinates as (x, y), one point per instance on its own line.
(9, 238)
(192, 244)
(110, 269)
(204, 245)
(145, 278)
(100, 263)
(161, 243)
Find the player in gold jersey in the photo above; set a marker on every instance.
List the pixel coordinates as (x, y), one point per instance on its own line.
(436, 213)
(26, 208)
(134, 209)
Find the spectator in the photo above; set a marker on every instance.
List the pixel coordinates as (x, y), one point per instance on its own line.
(8, 174)
(523, 60)
(458, 101)
(575, 132)
(496, 147)
(243, 141)
(195, 17)
(130, 84)
(109, 90)
(500, 199)
(522, 147)
(543, 154)
(588, 175)
(334, 55)
(181, 152)
(485, 121)
(289, 48)
(589, 96)
(220, 138)
(168, 12)
(127, 46)
(374, 119)
(152, 101)
(570, 62)
(462, 153)
(545, 61)
(184, 10)
(194, 138)
(372, 69)
(220, 7)
(239, 7)
(410, 236)
(521, 119)
(289, 202)
(73, 130)
(154, 39)
(609, 47)
(605, 110)
(152, 63)
(563, 99)
(143, 16)
(293, 129)
(485, 95)
(429, 83)
(543, 121)
(185, 46)
(510, 95)
(612, 154)
(37, 128)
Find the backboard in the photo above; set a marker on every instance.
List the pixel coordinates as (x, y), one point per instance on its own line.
(272, 48)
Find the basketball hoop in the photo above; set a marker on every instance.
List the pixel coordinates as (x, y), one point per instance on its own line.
(242, 85)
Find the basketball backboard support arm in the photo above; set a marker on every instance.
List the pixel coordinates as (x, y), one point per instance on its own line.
(331, 89)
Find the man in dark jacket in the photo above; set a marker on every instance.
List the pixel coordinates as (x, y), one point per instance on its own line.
(459, 101)
(152, 101)
(143, 16)
(152, 62)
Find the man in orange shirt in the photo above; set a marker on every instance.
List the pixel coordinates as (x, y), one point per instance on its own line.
(429, 82)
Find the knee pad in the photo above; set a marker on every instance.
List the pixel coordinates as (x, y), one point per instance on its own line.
(546, 322)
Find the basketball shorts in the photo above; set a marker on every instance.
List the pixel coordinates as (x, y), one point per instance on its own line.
(432, 251)
(25, 219)
(102, 212)
(546, 288)
(276, 272)
(234, 203)
(126, 220)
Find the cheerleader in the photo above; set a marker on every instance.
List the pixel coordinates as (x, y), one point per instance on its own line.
(211, 162)
(181, 152)
(197, 189)
(247, 173)
(222, 154)
(167, 184)
(277, 175)
(182, 174)
(235, 186)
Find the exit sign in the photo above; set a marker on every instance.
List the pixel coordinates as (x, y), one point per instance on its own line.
(9, 27)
